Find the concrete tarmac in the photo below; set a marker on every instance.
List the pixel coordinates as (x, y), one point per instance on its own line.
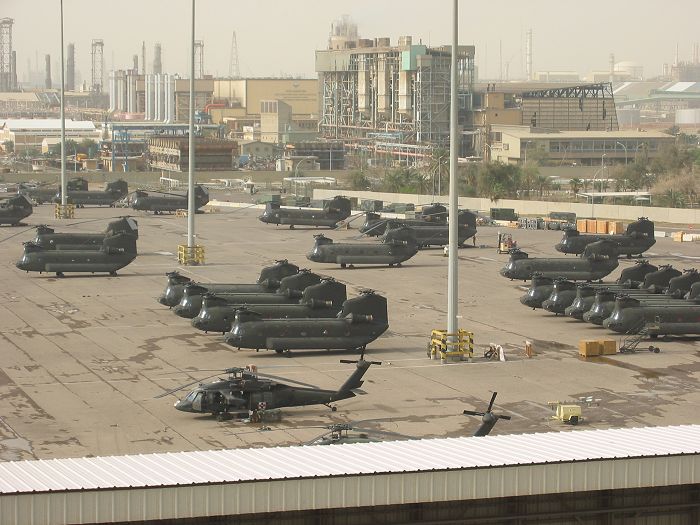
(84, 356)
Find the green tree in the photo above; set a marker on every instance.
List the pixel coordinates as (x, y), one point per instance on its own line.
(359, 181)
(575, 185)
(8, 146)
(88, 147)
(542, 183)
(530, 173)
(497, 180)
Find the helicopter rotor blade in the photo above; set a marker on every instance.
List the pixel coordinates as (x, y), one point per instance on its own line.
(287, 380)
(493, 398)
(173, 390)
(504, 417)
(473, 413)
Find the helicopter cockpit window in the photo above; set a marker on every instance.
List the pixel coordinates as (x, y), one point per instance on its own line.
(197, 401)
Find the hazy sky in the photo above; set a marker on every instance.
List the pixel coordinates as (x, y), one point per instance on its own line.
(279, 37)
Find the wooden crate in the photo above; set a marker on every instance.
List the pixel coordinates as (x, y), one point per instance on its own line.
(616, 227)
(677, 236)
(581, 225)
(608, 346)
(591, 225)
(589, 347)
(601, 227)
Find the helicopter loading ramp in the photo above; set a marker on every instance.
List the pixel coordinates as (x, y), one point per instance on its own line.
(650, 471)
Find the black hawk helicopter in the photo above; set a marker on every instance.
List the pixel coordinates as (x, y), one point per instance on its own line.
(488, 418)
(113, 192)
(397, 246)
(335, 210)
(49, 239)
(324, 299)
(247, 390)
(638, 238)
(44, 193)
(598, 260)
(269, 281)
(14, 209)
(159, 202)
(362, 320)
(115, 253)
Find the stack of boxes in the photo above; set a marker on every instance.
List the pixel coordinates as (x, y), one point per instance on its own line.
(600, 226)
(596, 347)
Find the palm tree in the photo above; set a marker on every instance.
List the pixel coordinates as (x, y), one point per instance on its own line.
(576, 185)
(543, 183)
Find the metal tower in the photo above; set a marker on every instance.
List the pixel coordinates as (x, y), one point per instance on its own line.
(6, 54)
(70, 68)
(98, 65)
(143, 57)
(157, 59)
(199, 58)
(528, 55)
(234, 70)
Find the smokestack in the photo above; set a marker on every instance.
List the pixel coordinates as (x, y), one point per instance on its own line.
(70, 68)
(157, 59)
(136, 64)
(47, 80)
(528, 55)
(675, 60)
(143, 57)
(612, 67)
(696, 53)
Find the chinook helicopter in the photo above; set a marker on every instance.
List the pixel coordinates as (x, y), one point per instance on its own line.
(247, 390)
(638, 238)
(14, 209)
(337, 209)
(48, 239)
(321, 300)
(397, 246)
(598, 260)
(289, 292)
(431, 215)
(43, 193)
(361, 320)
(159, 202)
(113, 192)
(269, 281)
(438, 233)
(115, 253)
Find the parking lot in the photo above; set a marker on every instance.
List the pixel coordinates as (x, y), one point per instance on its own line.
(84, 356)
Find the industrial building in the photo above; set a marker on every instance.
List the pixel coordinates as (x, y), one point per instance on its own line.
(373, 91)
(29, 133)
(172, 153)
(511, 144)
(648, 473)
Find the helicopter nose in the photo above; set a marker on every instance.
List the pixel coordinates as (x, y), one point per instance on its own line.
(185, 311)
(559, 247)
(183, 405)
(505, 272)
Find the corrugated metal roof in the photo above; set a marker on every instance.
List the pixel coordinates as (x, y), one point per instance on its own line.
(237, 465)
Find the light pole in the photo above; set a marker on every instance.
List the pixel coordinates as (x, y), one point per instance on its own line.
(602, 170)
(526, 145)
(190, 179)
(452, 268)
(490, 150)
(64, 197)
(296, 172)
(621, 144)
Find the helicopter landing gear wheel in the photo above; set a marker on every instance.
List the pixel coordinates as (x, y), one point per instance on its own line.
(291, 226)
(343, 265)
(113, 274)
(60, 274)
(334, 408)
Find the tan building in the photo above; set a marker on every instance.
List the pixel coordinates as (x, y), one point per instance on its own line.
(512, 144)
(172, 153)
(278, 125)
(30, 133)
(243, 98)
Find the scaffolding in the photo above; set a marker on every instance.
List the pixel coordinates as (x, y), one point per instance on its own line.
(371, 90)
(6, 73)
(199, 58)
(98, 65)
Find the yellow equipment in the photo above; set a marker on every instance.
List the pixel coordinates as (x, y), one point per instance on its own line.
(506, 242)
(190, 256)
(460, 349)
(570, 414)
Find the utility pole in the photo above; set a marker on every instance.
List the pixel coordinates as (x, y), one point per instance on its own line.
(190, 181)
(452, 275)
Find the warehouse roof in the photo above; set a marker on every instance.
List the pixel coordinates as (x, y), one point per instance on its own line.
(241, 465)
(41, 124)
(525, 132)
